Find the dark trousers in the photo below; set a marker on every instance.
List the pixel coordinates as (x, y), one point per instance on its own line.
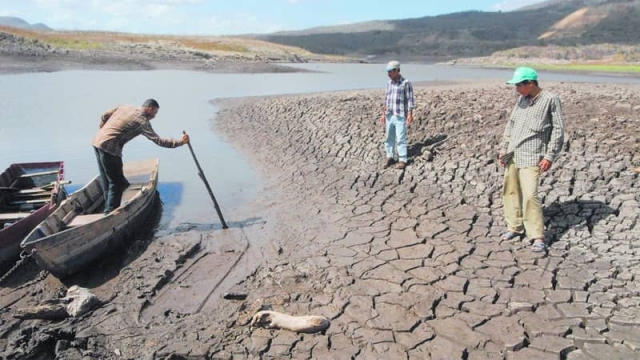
(112, 179)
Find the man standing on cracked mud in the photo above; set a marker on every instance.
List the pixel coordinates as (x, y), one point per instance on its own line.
(117, 127)
(397, 114)
(531, 142)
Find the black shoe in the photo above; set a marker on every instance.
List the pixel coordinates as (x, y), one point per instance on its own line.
(389, 162)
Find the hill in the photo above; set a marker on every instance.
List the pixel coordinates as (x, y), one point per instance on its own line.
(554, 32)
(31, 50)
(476, 33)
(18, 23)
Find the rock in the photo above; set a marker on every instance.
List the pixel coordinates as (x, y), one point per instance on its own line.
(80, 301)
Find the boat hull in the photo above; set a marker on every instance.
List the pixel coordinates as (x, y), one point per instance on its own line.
(78, 233)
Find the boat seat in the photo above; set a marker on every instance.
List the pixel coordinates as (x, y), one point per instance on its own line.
(13, 216)
(130, 192)
(33, 191)
(84, 219)
(35, 202)
(50, 172)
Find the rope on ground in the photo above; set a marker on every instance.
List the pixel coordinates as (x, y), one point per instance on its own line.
(23, 258)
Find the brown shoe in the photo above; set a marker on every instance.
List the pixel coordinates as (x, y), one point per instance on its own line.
(389, 162)
(401, 165)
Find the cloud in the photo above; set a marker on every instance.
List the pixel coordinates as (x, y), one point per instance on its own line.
(9, 12)
(186, 17)
(239, 23)
(509, 5)
(180, 2)
(109, 15)
(157, 10)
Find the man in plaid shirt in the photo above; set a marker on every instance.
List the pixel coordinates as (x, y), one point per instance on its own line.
(397, 114)
(532, 140)
(117, 127)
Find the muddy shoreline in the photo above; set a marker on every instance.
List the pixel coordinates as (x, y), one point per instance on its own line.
(15, 64)
(405, 264)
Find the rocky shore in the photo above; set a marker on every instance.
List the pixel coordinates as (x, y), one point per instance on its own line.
(19, 54)
(405, 264)
(596, 57)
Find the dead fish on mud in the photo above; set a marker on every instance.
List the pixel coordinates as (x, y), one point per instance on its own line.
(275, 320)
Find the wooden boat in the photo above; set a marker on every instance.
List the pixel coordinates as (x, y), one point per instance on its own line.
(29, 192)
(78, 232)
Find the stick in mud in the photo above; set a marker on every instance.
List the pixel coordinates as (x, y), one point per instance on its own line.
(206, 184)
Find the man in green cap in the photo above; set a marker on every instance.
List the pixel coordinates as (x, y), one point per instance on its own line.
(532, 140)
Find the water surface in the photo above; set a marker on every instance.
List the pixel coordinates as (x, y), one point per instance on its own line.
(53, 116)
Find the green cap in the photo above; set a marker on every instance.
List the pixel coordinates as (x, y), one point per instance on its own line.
(523, 73)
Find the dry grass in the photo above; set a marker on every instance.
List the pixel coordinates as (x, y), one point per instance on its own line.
(94, 40)
(204, 45)
(575, 23)
(596, 54)
(604, 68)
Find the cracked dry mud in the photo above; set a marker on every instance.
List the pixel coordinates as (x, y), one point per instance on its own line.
(405, 264)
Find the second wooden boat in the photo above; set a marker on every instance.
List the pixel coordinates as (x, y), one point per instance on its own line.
(29, 192)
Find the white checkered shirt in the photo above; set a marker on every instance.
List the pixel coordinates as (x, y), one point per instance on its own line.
(535, 130)
(399, 97)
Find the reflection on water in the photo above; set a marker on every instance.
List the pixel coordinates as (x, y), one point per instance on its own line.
(53, 116)
(171, 196)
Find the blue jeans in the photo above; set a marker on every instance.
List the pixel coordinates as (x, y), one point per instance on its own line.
(396, 136)
(112, 179)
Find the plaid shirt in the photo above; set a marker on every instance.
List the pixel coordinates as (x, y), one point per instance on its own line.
(399, 97)
(118, 126)
(535, 130)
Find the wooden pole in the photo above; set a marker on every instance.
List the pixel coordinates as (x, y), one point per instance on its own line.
(206, 184)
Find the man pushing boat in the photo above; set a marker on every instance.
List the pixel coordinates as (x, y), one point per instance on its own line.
(117, 127)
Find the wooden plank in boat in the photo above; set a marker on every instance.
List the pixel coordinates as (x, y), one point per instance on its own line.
(37, 191)
(13, 216)
(39, 173)
(33, 201)
(130, 192)
(43, 196)
(21, 208)
(84, 219)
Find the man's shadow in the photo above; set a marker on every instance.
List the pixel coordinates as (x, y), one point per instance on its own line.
(562, 217)
(427, 148)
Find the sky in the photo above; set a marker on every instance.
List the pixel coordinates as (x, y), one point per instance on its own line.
(230, 17)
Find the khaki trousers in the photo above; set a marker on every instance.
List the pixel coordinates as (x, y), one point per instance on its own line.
(522, 208)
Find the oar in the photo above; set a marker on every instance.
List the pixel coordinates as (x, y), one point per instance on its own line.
(206, 184)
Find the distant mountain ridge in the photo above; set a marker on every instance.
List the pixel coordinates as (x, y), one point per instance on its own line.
(16, 22)
(476, 33)
(469, 34)
(347, 28)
